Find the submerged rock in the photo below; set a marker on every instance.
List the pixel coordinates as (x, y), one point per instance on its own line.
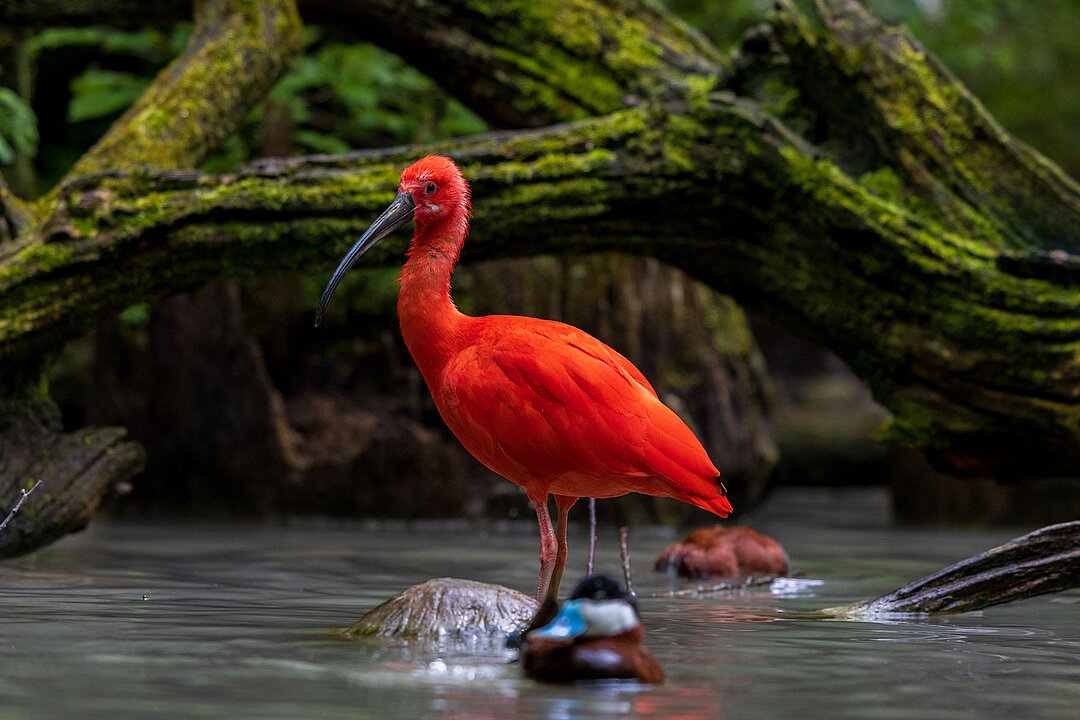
(448, 606)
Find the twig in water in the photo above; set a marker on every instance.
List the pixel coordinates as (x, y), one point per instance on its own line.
(626, 561)
(722, 587)
(592, 535)
(18, 505)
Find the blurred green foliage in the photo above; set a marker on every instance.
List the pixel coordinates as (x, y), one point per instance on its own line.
(345, 95)
(342, 95)
(339, 95)
(18, 126)
(150, 44)
(103, 93)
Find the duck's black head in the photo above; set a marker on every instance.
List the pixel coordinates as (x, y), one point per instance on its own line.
(596, 635)
(602, 587)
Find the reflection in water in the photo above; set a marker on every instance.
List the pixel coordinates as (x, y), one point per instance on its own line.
(239, 621)
(610, 699)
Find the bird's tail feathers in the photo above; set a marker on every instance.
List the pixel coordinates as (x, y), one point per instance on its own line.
(693, 479)
(715, 502)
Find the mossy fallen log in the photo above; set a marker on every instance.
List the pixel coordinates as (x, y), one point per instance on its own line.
(873, 204)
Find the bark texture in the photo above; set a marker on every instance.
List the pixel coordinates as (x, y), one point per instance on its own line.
(236, 52)
(830, 172)
(77, 471)
(1044, 561)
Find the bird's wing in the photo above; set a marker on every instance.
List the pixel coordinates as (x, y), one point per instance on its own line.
(541, 399)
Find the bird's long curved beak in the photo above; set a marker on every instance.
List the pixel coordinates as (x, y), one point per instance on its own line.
(397, 214)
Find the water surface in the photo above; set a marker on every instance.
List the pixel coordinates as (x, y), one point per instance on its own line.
(134, 619)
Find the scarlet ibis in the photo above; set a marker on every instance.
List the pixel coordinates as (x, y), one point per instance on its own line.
(541, 403)
(727, 552)
(596, 635)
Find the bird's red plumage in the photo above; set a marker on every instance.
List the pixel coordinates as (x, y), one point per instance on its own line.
(543, 404)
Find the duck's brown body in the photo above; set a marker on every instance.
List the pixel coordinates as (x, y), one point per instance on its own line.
(619, 657)
(725, 552)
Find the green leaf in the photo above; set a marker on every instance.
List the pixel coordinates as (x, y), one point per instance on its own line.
(153, 45)
(137, 315)
(102, 93)
(320, 143)
(18, 126)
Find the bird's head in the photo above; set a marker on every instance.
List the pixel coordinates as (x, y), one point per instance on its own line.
(598, 607)
(437, 189)
(432, 191)
(602, 587)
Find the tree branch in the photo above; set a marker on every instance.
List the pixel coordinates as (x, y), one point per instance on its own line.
(932, 317)
(14, 215)
(76, 471)
(926, 127)
(874, 205)
(19, 504)
(236, 53)
(1044, 561)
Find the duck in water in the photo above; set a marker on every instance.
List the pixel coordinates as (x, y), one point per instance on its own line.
(596, 635)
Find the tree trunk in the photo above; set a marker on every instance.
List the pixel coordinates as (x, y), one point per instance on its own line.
(831, 173)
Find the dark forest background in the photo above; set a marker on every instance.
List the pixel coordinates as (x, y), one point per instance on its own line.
(246, 409)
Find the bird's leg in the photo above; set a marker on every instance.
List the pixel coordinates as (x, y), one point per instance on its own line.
(592, 535)
(548, 545)
(563, 503)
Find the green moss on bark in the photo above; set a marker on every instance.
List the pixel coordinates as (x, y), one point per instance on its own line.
(236, 53)
(903, 229)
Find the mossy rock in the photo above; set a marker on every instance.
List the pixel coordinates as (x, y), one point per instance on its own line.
(448, 606)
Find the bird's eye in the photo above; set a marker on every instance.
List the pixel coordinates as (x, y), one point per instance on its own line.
(430, 188)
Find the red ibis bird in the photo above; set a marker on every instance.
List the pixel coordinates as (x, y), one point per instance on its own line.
(541, 403)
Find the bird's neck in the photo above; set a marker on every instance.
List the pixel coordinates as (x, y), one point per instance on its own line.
(429, 319)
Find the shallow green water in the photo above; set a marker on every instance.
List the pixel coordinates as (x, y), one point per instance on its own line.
(211, 620)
